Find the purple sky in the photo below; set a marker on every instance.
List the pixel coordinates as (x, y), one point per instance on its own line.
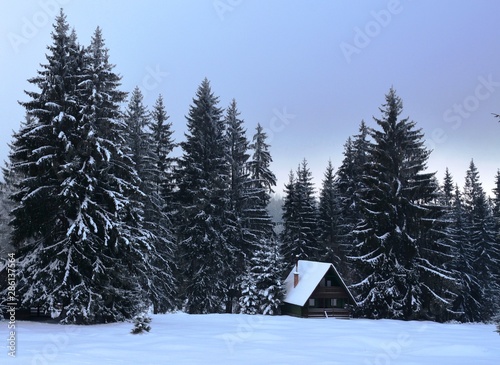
(308, 71)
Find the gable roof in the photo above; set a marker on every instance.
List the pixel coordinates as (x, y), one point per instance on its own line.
(310, 275)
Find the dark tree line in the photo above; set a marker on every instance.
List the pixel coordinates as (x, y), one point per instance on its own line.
(106, 223)
(411, 247)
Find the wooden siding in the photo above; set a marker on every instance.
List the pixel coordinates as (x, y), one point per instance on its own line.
(333, 292)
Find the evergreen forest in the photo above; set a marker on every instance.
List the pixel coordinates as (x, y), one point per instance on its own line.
(105, 221)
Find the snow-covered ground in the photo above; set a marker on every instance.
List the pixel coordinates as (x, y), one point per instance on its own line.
(243, 339)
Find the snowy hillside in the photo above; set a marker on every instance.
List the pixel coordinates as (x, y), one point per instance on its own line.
(243, 339)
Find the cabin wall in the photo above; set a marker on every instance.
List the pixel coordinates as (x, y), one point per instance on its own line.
(293, 310)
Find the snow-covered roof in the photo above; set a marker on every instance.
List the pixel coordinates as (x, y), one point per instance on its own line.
(310, 275)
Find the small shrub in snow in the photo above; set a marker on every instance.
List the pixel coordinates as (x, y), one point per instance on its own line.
(141, 324)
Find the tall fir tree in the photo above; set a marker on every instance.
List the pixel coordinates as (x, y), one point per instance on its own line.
(328, 221)
(262, 182)
(349, 184)
(261, 284)
(206, 256)
(395, 256)
(164, 144)
(76, 227)
(136, 120)
(465, 305)
(448, 188)
(145, 146)
(496, 218)
(239, 235)
(299, 237)
(237, 157)
(480, 229)
(262, 287)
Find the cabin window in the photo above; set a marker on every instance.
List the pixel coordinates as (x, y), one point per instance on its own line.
(312, 302)
(328, 283)
(337, 303)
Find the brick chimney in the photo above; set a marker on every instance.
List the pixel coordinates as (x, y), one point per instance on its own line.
(296, 273)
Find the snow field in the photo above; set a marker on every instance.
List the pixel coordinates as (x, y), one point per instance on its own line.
(244, 339)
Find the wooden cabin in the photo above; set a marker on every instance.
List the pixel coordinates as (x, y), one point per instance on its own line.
(315, 289)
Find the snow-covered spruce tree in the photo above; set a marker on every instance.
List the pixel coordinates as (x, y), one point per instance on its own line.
(161, 207)
(329, 216)
(163, 146)
(262, 288)
(75, 224)
(249, 301)
(238, 232)
(448, 189)
(290, 234)
(260, 165)
(349, 184)
(451, 234)
(141, 324)
(256, 297)
(485, 251)
(136, 120)
(392, 238)
(206, 257)
(145, 148)
(262, 182)
(269, 261)
(496, 218)
(300, 215)
(466, 293)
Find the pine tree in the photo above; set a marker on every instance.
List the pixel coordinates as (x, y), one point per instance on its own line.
(239, 234)
(262, 289)
(163, 146)
(145, 148)
(448, 188)
(76, 226)
(137, 118)
(300, 217)
(261, 161)
(269, 262)
(396, 254)
(480, 228)
(256, 297)
(349, 184)
(237, 157)
(496, 198)
(465, 305)
(329, 216)
(262, 182)
(496, 218)
(206, 255)
(161, 205)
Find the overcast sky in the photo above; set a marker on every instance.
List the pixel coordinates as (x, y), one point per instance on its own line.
(307, 71)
